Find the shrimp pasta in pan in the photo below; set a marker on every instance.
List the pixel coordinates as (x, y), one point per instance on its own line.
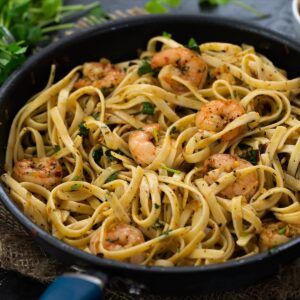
(186, 155)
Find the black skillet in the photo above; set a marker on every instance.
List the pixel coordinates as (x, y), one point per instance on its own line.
(120, 41)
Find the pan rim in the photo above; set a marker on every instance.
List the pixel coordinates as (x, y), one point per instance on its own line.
(117, 25)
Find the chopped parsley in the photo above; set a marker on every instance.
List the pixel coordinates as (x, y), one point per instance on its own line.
(167, 35)
(148, 108)
(75, 178)
(145, 68)
(97, 155)
(158, 225)
(252, 156)
(83, 131)
(75, 187)
(282, 230)
(192, 44)
(110, 156)
(106, 90)
(56, 148)
(173, 130)
(170, 169)
(166, 233)
(156, 206)
(112, 177)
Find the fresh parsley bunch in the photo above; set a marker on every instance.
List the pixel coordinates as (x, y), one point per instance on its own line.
(24, 23)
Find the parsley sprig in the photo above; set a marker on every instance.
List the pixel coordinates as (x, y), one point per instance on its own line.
(25, 23)
(148, 108)
(161, 6)
(205, 3)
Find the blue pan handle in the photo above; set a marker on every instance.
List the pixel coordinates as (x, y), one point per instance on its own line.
(75, 286)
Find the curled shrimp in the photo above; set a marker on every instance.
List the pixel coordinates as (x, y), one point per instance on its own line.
(215, 115)
(181, 62)
(217, 164)
(45, 171)
(141, 145)
(119, 236)
(274, 234)
(102, 75)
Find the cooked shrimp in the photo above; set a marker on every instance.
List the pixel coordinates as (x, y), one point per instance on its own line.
(101, 75)
(217, 164)
(181, 62)
(274, 234)
(223, 72)
(215, 115)
(119, 236)
(141, 146)
(45, 171)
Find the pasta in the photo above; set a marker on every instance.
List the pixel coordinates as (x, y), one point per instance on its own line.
(180, 157)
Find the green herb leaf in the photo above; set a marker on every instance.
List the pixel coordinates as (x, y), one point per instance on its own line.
(172, 3)
(11, 57)
(106, 91)
(76, 177)
(112, 177)
(145, 68)
(34, 34)
(109, 155)
(56, 148)
(167, 35)
(27, 22)
(50, 7)
(75, 187)
(156, 206)
(83, 131)
(282, 230)
(161, 6)
(192, 44)
(148, 108)
(158, 224)
(204, 3)
(170, 170)
(173, 130)
(166, 233)
(252, 156)
(155, 7)
(97, 155)
(98, 12)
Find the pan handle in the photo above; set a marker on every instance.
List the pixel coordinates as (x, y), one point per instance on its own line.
(76, 286)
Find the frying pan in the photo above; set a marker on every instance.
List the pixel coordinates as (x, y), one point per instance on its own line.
(120, 41)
